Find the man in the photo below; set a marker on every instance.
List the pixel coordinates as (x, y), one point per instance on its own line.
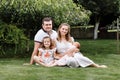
(46, 30)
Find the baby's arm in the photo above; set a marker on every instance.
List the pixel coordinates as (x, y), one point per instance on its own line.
(73, 49)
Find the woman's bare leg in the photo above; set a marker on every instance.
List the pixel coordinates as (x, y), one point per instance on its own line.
(98, 66)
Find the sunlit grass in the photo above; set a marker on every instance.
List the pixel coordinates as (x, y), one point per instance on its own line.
(100, 51)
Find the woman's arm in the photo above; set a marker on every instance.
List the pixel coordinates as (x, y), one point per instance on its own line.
(73, 49)
(57, 55)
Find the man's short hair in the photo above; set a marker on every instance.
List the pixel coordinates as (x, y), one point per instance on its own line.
(46, 19)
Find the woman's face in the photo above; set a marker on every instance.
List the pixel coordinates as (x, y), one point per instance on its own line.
(63, 30)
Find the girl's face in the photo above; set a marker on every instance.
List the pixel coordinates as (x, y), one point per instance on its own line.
(63, 30)
(46, 43)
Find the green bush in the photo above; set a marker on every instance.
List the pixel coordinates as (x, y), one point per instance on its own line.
(65, 11)
(28, 13)
(12, 40)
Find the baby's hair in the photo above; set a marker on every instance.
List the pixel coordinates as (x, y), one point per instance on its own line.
(51, 42)
(77, 44)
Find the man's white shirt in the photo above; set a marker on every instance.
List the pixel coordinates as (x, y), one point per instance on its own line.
(41, 34)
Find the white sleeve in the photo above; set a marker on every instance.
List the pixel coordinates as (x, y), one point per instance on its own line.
(72, 39)
(40, 49)
(39, 36)
(54, 35)
(54, 50)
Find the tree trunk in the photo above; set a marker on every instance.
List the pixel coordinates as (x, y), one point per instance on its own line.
(97, 22)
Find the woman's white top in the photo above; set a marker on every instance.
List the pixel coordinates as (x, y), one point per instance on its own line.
(62, 47)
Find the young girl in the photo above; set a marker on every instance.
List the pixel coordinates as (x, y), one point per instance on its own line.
(46, 52)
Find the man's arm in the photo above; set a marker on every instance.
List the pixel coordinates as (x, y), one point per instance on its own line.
(35, 51)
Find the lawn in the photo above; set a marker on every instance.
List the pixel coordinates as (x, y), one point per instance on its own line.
(100, 51)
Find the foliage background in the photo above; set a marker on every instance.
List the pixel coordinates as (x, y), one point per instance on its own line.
(21, 19)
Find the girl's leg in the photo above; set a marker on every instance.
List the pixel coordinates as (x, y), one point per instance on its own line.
(37, 60)
(61, 62)
(52, 64)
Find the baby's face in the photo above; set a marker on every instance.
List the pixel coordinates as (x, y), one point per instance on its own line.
(77, 45)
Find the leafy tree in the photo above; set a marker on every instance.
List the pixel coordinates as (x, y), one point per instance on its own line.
(99, 9)
(65, 11)
(28, 13)
(11, 39)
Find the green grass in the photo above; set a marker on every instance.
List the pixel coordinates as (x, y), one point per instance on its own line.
(100, 51)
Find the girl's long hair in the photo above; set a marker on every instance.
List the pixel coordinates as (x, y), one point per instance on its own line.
(51, 43)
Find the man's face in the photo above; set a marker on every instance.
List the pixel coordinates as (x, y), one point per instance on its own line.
(47, 25)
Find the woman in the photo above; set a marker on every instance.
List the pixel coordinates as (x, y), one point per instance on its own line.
(67, 53)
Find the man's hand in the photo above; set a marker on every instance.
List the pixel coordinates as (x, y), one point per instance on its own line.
(27, 64)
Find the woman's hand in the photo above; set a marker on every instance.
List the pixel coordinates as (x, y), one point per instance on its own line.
(77, 50)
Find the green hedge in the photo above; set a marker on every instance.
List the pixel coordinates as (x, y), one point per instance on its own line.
(28, 13)
(12, 40)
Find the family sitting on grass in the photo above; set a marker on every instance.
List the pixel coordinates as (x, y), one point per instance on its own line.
(58, 48)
